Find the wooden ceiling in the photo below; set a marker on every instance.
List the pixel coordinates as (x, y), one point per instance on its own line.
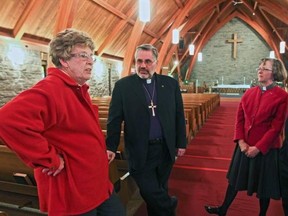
(116, 30)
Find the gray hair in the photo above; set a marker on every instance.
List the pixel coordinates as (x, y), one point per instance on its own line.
(61, 46)
(147, 47)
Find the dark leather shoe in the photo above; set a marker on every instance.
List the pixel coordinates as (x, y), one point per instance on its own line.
(174, 202)
(214, 210)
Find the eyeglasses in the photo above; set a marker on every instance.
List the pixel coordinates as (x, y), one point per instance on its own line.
(263, 69)
(85, 56)
(147, 62)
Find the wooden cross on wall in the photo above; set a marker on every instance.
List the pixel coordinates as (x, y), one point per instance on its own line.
(234, 41)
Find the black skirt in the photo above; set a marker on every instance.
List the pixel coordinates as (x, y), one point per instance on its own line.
(258, 175)
(284, 169)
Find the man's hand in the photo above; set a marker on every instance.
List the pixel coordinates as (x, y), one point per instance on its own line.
(181, 152)
(110, 155)
(57, 171)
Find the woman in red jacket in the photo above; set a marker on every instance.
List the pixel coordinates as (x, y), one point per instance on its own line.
(259, 123)
(54, 129)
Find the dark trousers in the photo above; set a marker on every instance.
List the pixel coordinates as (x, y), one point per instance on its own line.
(152, 180)
(110, 207)
(285, 205)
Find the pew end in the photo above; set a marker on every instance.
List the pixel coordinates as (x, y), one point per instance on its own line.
(17, 184)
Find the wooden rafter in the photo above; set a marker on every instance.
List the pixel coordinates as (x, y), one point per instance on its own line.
(131, 46)
(121, 15)
(176, 24)
(179, 3)
(193, 20)
(65, 14)
(116, 31)
(29, 11)
(166, 27)
(271, 25)
(212, 22)
(275, 10)
(197, 35)
(263, 32)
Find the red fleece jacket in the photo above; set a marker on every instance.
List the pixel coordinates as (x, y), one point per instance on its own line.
(56, 117)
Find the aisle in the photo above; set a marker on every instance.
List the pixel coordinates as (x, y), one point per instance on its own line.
(199, 177)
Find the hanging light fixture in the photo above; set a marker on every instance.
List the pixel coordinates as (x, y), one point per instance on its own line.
(144, 10)
(191, 49)
(282, 46)
(200, 58)
(175, 36)
(272, 54)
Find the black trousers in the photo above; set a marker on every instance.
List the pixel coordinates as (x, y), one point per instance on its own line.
(110, 207)
(152, 180)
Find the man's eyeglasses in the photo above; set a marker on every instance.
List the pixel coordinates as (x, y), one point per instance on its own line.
(147, 62)
(84, 56)
(263, 69)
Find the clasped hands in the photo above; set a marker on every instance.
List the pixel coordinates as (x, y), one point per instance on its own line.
(250, 151)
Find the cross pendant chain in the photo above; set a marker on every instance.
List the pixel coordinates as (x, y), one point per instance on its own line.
(152, 107)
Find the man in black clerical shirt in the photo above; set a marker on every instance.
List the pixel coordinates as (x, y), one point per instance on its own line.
(154, 129)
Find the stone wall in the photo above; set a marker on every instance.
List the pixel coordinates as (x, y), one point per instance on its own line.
(21, 68)
(218, 58)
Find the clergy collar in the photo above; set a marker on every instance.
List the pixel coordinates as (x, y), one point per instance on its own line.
(265, 88)
(148, 81)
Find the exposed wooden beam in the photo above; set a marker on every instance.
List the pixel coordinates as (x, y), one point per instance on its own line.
(275, 10)
(198, 16)
(271, 24)
(110, 8)
(29, 11)
(105, 55)
(198, 47)
(6, 32)
(131, 46)
(176, 24)
(179, 3)
(255, 5)
(249, 7)
(116, 31)
(166, 27)
(196, 19)
(65, 14)
(119, 14)
(263, 32)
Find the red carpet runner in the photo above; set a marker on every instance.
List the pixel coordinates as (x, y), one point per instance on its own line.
(199, 177)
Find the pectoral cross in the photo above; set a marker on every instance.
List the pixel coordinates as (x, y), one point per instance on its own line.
(152, 107)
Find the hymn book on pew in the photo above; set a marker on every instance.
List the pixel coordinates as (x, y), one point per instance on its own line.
(23, 178)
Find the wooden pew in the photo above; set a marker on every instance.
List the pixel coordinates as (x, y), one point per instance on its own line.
(17, 183)
(103, 111)
(18, 186)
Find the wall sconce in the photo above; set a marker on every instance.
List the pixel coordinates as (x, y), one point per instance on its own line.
(282, 46)
(144, 10)
(272, 54)
(191, 49)
(175, 36)
(200, 58)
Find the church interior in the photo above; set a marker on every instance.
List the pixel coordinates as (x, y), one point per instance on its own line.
(211, 47)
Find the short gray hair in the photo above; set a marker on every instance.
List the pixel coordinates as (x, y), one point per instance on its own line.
(61, 46)
(147, 47)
